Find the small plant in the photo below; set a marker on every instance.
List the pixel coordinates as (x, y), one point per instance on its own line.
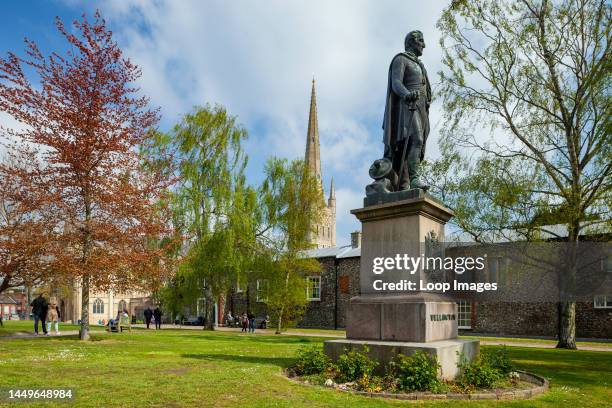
(315, 379)
(478, 373)
(310, 360)
(417, 372)
(499, 360)
(370, 383)
(353, 364)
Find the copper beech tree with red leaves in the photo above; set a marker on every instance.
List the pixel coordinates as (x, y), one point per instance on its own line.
(26, 234)
(88, 123)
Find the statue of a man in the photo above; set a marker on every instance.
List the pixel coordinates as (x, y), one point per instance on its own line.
(406, 121)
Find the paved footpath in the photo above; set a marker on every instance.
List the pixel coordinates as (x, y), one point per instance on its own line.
(311, 334)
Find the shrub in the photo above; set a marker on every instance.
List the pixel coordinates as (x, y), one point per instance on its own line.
(370, 383)
(310, 360)
(478, 373)
(353, 364)
(499, 360)
(417, 372)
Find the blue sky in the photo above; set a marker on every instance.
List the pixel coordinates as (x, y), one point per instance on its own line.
(257, 58)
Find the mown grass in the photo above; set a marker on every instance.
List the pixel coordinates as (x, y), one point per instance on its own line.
(538, 341)
(15, 327)
(175, 368)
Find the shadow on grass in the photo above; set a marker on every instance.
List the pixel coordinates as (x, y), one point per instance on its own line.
(282, 362)
(261, 339)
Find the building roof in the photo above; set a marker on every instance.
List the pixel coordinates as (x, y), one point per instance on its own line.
(351, 253)
(331, 252)
(6, 299)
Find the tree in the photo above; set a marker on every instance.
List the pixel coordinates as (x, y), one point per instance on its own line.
(87, 122)
(26, 235)
(209, 165)
(292, 200)
(538, 73)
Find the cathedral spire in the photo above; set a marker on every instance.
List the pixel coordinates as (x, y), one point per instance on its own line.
(313, 154)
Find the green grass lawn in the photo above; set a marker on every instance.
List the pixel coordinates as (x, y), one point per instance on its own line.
(537, 341)
(172, 368)
(13, 327)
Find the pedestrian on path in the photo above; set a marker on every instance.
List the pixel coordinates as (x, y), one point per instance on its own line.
(245, 322)
(157, 314)
(251, 323)
(148, 314)
(39, 311)
(53, 316)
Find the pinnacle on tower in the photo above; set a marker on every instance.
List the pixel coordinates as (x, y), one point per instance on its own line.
(331, 201)
(313, 154)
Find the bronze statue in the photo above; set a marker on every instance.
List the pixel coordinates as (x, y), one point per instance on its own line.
(406, 120)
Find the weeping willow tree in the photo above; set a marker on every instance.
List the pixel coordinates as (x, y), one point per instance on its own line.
(536, 73)
(206, 151)
(291, 200)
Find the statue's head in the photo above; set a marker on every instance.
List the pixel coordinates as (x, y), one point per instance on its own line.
(414, 42)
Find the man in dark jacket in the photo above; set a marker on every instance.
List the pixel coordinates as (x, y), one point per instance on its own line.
(148, 314)
(39, 310)
(406, 120)
(157, 314)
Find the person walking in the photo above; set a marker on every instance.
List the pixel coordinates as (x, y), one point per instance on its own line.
(148, 314)
(39, 312)
(251, 317)
(245, 322)
(53, 316)
(157, 314)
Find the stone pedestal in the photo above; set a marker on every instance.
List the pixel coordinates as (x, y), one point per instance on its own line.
(419, 318)
(390, 321)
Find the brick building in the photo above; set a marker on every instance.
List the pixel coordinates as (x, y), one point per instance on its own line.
(339, 281)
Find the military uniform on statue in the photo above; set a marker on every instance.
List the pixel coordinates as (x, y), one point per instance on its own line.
(406, 119)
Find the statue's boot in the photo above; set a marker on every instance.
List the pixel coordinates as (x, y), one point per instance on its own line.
(414, 169)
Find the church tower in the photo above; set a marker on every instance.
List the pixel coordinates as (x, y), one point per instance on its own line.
(324, 234)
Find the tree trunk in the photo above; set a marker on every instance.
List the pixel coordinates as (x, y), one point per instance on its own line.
(209, 318)
(567, 301)
(84, 332)
(567, 325)
(280, 320)
(282, 309)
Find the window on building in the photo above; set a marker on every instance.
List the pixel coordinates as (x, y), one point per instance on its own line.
(602, 302)
(494, 264)
(98, 306)
(122, 306)
(262, 290)
(313, 288)
(606, 264)
(238, 288)
(464, 314)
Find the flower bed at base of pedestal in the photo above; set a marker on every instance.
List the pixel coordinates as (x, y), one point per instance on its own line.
(528, 386)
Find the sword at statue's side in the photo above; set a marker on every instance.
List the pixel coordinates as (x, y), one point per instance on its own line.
(412, 107)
